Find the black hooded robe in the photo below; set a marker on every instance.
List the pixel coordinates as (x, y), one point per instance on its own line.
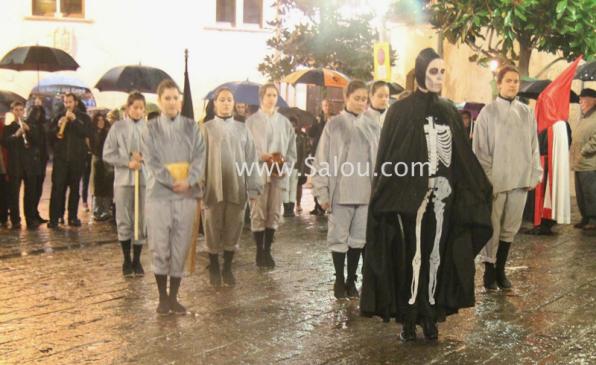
(395, 200)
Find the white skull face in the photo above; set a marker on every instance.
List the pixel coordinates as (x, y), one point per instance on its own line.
(435, 73)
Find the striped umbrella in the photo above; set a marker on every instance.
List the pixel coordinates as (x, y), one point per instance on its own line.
(318, 76)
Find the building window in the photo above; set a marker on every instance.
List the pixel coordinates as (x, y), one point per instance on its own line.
(58, 8)
(253, 12)
(226, 11)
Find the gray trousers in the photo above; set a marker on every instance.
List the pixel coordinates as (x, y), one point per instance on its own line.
(125, 213)
(223, 226)
(266, 210)
(585, 193)
(506, 218)
(347, 227)
(170, 224)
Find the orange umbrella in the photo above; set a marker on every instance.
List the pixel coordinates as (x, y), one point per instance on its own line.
(318, 76)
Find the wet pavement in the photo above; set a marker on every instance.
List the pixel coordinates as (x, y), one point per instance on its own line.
(64, 301)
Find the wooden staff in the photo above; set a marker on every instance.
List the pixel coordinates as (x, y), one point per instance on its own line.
(192, 250)
(137, 200)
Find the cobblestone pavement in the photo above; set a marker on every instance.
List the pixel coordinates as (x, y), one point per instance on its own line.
(64, 301)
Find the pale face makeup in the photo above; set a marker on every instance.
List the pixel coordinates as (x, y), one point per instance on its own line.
(435, 74)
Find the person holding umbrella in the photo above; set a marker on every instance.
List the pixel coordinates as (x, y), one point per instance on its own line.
(275, 142)
(228, 144)
(122, 150)
(173, 150)
(70, 129)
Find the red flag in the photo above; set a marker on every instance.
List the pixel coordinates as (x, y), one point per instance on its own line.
(553, 102)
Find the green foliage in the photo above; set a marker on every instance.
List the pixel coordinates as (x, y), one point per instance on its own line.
(493, 28)
(324, 39)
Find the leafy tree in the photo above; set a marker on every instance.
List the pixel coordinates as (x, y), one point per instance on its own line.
(509, 30)
(324, 39)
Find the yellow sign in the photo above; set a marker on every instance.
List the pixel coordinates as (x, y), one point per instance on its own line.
(382, 61)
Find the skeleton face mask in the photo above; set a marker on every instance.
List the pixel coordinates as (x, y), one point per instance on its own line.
(435, 73)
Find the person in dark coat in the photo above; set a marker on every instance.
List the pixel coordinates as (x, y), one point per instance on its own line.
(3, 180)
(315, 132)
(37, 117)
(22, 139)
(429, 212)
(70, 130)
(102, 172)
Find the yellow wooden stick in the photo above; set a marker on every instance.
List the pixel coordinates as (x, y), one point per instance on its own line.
(192, 250)
(137, 198)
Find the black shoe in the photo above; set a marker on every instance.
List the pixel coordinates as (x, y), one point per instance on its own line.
(259, 237)
(408, 331)
(33, 225)
(339, 287)
(502, 254)
(74, 222)
(136, 260)
(489, 276)
(175, 306)
(16, 226)
(52, 225)
(430, 329)
(214, 273)
(353, 259)
(267, 257)
(138, 268)
(351, 290)
(581, 224)
(41, 220)
(163, 307)
(227, 275)
(127, 270)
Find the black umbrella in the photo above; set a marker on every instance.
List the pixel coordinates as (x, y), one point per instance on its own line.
(305, 119)
(532, 88)
(6, 98)
(586, 72)
(134, 77)
(38, 58)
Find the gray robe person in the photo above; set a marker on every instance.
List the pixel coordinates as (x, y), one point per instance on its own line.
(506, 145)
(170, 215)
(229, 149)
(342, 176)
(272, 134)
(123, 139)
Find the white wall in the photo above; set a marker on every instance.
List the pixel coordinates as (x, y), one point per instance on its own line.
(152, 32)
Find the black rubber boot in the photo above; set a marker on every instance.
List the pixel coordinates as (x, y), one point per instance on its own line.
(292, 207)
(136, 260)
(353, 259)
(408, 331)
(214, 273)
(430, 329)
(287, 210)
(489, 276)
(175, 307)
(339, 287)
(228, 276)
(502, 254)
(259, 237)
(267, 257)
(163, 307)
(127, 264)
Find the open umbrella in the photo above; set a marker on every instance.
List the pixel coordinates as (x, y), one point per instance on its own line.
(305, 119)
(318, 76)
(532, 88)
(586, 72)
(245, 92)
(133, 77)
(6, 98)
(38, 58)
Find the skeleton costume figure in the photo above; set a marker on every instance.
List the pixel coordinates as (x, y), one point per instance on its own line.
(429, 212)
